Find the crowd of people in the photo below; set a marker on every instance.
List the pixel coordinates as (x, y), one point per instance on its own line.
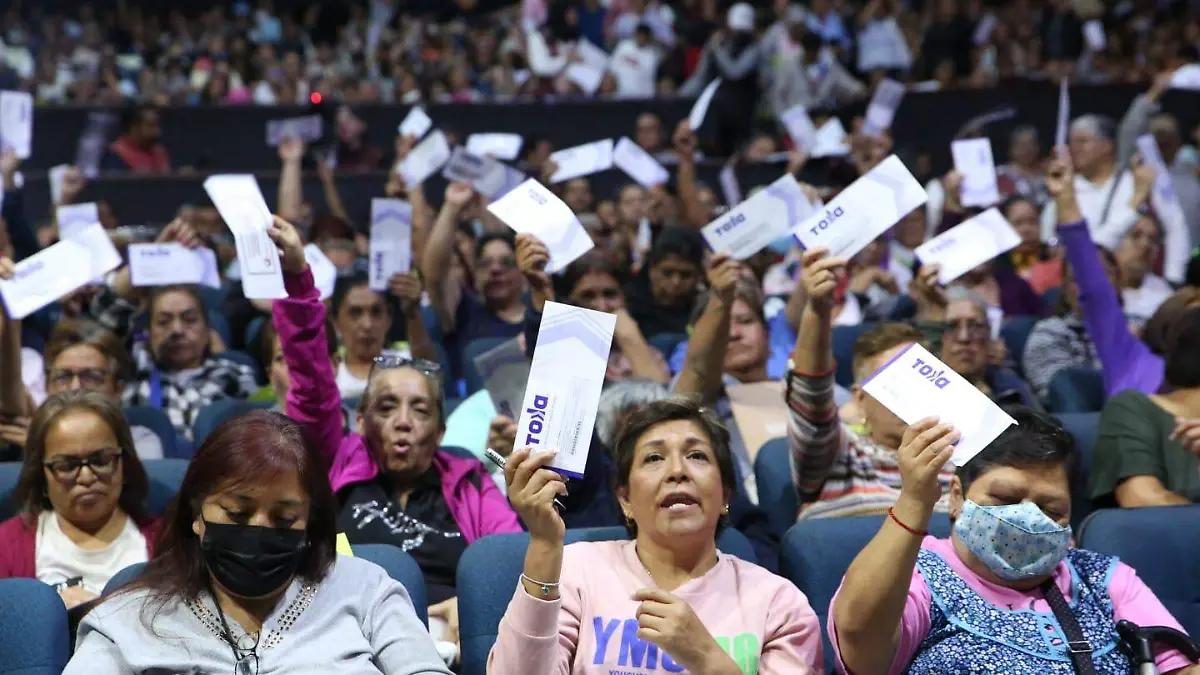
(363, 410)
(819, 53)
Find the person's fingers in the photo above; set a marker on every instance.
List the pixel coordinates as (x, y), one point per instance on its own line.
(548, 492)
(653, 595)
(930, 436)
(510, 467)
(935, 448)
(527, 468)
(540, 479)
(916, 429)
(811, 256)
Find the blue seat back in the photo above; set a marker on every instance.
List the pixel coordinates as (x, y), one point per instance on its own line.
(1076, 390)
(254, 331)
(157, 421)
(1084, 427)
(777, 495)
(1015, 333)
(844, 338)
(1160, 543)
(211, 416)
(165, 477)
(488, 573)
(35, 637)
(398, 565)
(816, 554)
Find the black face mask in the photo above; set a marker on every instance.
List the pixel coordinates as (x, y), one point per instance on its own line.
(250, 561)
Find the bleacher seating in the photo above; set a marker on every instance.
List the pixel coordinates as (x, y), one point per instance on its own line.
(1161, 545)
(165, 476)
(35, 638)
(488, 574)
(816, 554)
(777, 495)
(157, 421)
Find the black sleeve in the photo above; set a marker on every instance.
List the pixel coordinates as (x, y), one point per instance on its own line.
(20, 230)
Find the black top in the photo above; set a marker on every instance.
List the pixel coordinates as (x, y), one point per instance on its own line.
(425, 528)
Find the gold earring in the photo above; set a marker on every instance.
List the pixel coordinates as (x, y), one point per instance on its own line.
(725, 510)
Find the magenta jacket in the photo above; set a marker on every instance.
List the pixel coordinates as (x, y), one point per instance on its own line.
(18, 545)
(313, 401)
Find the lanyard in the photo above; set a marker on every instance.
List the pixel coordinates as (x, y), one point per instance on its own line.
(156, 394)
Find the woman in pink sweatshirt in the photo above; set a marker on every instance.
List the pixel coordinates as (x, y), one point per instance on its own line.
(667, 600)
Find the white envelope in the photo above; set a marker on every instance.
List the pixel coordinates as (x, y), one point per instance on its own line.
(16, 123)
(730, 187)
(415, 123)
(57, 175)
(499, 146)
(882, 108)
(700, 109)
(1093, 32)
(968, 245)
(74, 218)
(425, 159)
(639, 164)
(589, 72)
(465, 167)
(995, 317)
(800, 127)
(245, 212)
(1064, 114)
(1187, 77)
(915, 385)
(830, 140)
(324, 272)
(973, 159)
(582, 160)
(172, 263)
(308, 129)
(860, 213)
(569, 362)
(534, 209)
(55, 271)
(752, 225)
(391, 241)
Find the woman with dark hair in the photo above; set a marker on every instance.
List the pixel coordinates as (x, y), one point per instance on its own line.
(82, 493)
(663, 296)
(668, 595)
(994, 596)
(246, 578)
(1141, 460)
(593, 282)
(394, 482)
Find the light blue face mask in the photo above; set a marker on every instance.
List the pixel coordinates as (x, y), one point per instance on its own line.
(1015, 541)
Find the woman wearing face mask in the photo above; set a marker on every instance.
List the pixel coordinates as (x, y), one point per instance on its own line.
(81, 493)
(994, 596)
(393, 482)
(668, 594)
(246, 579)
(591, 282)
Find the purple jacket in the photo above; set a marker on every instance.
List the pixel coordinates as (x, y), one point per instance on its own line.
(313, 401)
(1126, 361)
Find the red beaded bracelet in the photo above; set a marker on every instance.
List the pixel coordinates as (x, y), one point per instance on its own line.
(892, 515)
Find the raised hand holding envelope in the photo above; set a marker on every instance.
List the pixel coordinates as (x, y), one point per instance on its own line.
(863, 211)
(915, 384)
(425, 159)
(968, 245)
(57, 270)
(391, 241)
(752, 225)
(533, 208)
(415, 123)
(973, 159)
(639, 164)
(569, 363)
(165, 264)
(74, 218)
(582, 160)
(242, 207)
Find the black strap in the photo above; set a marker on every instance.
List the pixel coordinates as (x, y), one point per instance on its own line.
(1077, 646)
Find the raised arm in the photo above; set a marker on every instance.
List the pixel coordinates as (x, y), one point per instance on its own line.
(20, 234)
(12, 388)
(700, 378)
(435, 259)
(814, 431)
(685, 177)
(333, 199)
(312, 398)
(291, 188)
(866, 616)
(408, 288)
(1127, 363)
(645, 361)
(735, 68)
(540, 630)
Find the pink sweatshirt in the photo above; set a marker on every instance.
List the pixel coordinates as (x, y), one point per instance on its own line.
(760, 619)
(1131, 598)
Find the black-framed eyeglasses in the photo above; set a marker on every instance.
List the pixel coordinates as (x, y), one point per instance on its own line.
(975, 329)
(103, 463)
(389, 360)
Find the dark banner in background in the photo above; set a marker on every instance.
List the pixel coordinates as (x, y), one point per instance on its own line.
(220, 139)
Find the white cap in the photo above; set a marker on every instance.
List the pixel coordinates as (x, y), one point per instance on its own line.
(741, 18)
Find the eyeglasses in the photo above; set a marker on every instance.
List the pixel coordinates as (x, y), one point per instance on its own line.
(388, 360)
(103, 464)
(507, 262)
(975, 329)
(90, 378)
(246, 652)
(246, 665)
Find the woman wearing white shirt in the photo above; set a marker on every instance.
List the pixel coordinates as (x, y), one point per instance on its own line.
(1142, 291)
(881, 43)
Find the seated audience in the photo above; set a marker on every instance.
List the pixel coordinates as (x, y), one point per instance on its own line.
(1141, 459)
(914, 603)
(1032, 259)
(1060, 341)
(838, 470)
(175, 369)
(592, 282)
(81, 493)
(669, 595)
(394, 484)
(278, 380)
(1142, 291)
(664, 294)
(246, 579)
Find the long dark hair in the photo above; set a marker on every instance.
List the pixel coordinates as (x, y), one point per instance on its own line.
(251, 449)
(31, 494)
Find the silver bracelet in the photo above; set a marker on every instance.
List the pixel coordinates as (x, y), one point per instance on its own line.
(543, 586)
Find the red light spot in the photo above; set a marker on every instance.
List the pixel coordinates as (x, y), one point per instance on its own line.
(315, 98)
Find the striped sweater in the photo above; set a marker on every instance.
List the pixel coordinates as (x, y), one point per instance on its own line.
(838, 471)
